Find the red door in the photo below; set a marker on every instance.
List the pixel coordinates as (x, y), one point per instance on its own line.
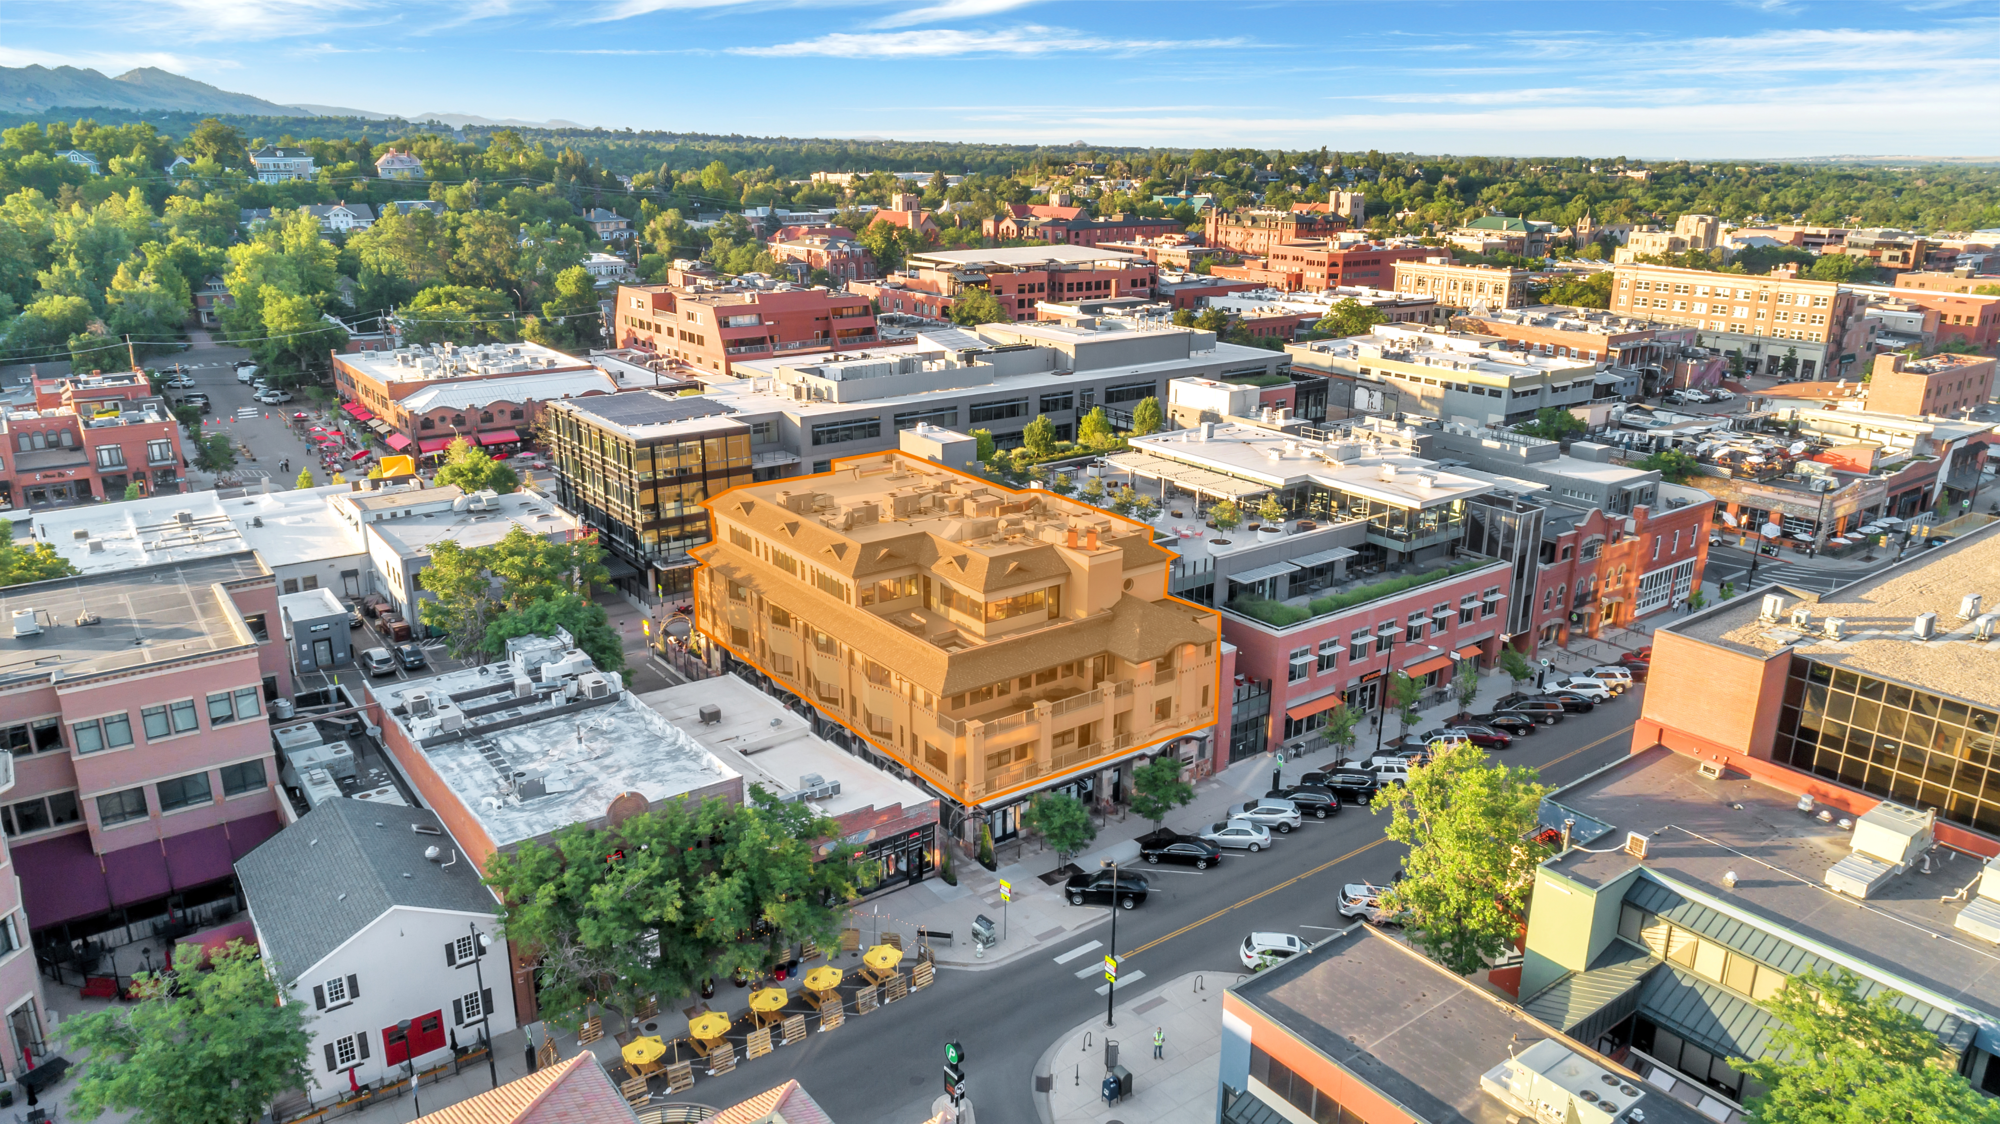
(426, 1034)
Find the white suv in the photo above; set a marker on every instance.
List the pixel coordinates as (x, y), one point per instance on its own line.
(1261, 950)
(1617, 678)
(1596, 690)
(1280, 816)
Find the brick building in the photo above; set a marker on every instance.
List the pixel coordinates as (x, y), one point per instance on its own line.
(1600, 569)
(1019, 277)
(1329, 264)
(710, 326)
(89, 438)
(418, 399)
(1082, 230)
(1970, 318)
(843, 259)
(1463, 286)
(1943, 282)
(1257, 232)
(1943, 385)
(1765, 319)
(22, 1001)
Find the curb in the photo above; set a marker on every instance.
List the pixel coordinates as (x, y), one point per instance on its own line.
(1042, 1110)
(989, 963)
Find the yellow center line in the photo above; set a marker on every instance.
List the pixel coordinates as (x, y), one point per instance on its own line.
(1297, 878)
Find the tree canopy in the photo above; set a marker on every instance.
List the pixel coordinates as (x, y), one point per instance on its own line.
(1350, 317)
(471, 470)
(482, 595)
(1553, 423)
(21, 563)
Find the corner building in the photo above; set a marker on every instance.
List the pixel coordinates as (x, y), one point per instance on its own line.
(995, 642)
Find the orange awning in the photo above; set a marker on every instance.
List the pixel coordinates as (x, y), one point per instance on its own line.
(1307, 709)
(1435, 663)
(1470, 651)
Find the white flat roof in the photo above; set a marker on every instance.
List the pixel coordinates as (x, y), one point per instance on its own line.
(1280, 461)
(297, 526)
(773, 747)
(418, 533)
(1025, 255)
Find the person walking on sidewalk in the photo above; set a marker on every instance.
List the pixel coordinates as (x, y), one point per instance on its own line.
(1159, 1043)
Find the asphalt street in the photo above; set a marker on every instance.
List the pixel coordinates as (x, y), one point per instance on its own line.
(886, 1066)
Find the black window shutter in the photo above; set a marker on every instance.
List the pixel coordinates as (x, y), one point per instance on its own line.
(353, 988)
(451, 954)
(332, 1063)
(319, 997)
(458, 1012)
(361, 1041)
(486, 1003)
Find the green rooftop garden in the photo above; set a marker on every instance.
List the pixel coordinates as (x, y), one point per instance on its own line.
(1278, 614)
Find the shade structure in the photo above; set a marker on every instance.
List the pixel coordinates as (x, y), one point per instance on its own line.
(397, 441)
(433, 445)
(1314, 706)
(770, 999)
(357, 454)
(1435, 663)
(640, 1051)
(499, 437)
(823, 978)
(708, 1026)
(882, 957)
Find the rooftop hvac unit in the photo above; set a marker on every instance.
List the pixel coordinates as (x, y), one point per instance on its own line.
(1926, 627)
(80, 533)
(26, 623)
(1802, 617)
(451, 721)
(1968, 606)
(1835, 628)
(1887, 839)
(524, 687)
(593, 686)
(711, 715)
(96, 546)
(184, 518)
(1635, 844)
(1983, 628)
(419, 704)
(1774, 606)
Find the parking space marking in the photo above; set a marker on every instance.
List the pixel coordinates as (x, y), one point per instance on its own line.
(1079, 950)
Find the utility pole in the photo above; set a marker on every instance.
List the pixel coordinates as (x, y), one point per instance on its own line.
(131, 356)
(480, 943)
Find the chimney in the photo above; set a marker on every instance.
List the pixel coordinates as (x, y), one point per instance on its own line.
(1072, 538)
(1090, 540)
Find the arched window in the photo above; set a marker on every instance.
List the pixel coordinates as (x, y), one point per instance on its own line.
(515, 416)
(427, 424)
(485, 416)
(458, 421)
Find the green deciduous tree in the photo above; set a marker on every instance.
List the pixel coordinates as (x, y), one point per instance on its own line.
(671, 897)
(214, 1047)
(1553, 423)
(983, 446)
(1592, 290)
(1836, 1058)
(458, 314)
(1515, 664)
(1471, 865)
(1094, 431)
(135, 491)
(214, 453)
(1404, 694)
(977, 306)
(1270, 510)
(305, 479)
(1226, 515)
(31, 562)
(1465, 684)
(1039, 436)
(1061, 820)
(474, 588)
(1157, 789)
(1349, 317)
(1146, 417)
(586, 622)
(467, 467)
(1673, 465)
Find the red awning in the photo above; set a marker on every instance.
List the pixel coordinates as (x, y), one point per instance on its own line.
(357, 454)
(60, 880)
(1471, 651)
(137, 873)
(198, 857)
(499, 437)
(357, 411)
(434, 444)
(1435, 663)
(1307, 709)
(397, 441)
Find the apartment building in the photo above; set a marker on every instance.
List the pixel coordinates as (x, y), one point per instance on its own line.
(842, 258)
(136, 718)
(419, 399)
(1944, 385)
(1464, 286)
(1330, 263)
(88, 438)
(1255, 232)
(1969, 318)
(1444, 374)
(1018, 277)
(993, 642)
(1764, 319)
(636, 468)
(711, 326)
(22, 1001)
(1954, 281)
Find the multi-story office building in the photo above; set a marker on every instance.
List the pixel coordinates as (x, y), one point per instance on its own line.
(993, 642)
(1330, 264)
(1943, 385)
(1463, 286)
(637, 467)
(1255, 232)
(1020, 278)
(1765, 319)
(136, 716)
(711, 325)
(1447, 375)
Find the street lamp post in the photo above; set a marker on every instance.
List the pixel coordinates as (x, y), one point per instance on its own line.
(480, 944)
(1768, 530)
(410, 1060)
(1111, 985)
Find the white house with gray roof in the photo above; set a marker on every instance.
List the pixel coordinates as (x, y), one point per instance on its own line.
(370, 915)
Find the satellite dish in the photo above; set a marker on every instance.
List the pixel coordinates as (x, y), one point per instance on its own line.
(1772, 530)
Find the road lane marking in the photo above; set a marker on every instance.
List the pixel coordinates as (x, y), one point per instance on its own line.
(1126, 978)
(1079, 950)
(1297, 878)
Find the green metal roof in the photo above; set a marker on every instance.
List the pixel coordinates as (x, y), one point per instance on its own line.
(1571, 1000)
(1714, 1019)
(1249, 1109)
(1762, 945)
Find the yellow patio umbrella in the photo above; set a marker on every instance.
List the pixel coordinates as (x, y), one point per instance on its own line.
(709, 1026)
(641, 1051)
(823, 978)
(770, 999)
(882, 957)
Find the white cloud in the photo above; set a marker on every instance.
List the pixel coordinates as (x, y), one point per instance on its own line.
(950, 10)
(1028, 39)
(114, 63)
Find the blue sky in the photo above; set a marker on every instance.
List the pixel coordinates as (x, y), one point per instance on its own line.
(1691, 78)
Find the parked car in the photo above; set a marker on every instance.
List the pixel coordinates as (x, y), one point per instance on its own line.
(378, 662)
(1643, 652)
(246, 372)
(411, 656)
(1238, 833)
(1611, 674)
(1546, 711)
(1261, 950)
(1722, 394)
(1639, 668)
(177, 382)
(1166, 846)
(1443, 735)
(1395, 771)
(1571, 701)
(1513, 725)
(200, 400)
(1278, 815)
(274, 397)
(242, 363)
(1319, 803)
(353, 619)
(1481, 736)
(1596, 690)
(1123, 888)
(1364, 900)
(1355, 786)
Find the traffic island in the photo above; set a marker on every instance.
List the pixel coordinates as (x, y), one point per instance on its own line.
(1176, 1088)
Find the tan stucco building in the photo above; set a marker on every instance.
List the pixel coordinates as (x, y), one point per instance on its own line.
(1463, 286)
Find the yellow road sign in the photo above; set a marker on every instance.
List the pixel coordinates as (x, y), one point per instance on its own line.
(1006, 890)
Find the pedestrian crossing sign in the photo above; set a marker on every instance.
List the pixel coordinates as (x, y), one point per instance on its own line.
(1006, 890)
(1111, 969)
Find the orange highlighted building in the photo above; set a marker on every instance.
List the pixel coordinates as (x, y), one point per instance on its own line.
(995, 642)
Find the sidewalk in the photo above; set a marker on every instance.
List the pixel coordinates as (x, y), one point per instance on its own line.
(1179, 1088)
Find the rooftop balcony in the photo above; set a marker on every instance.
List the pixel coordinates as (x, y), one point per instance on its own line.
(1362, 586)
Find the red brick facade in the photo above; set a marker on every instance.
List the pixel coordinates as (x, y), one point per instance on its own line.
(1609, 570)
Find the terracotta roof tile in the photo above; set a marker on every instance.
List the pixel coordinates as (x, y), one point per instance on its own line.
(574, 1092)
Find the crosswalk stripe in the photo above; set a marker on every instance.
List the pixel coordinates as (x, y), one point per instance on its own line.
(1088, 970)
(1126, 978)
(1079, 950)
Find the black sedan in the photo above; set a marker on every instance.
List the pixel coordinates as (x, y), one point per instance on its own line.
(1164, 846)
(1356, 786)
(1482, 736)
(411, 656)
(1571, 701)
(1311, 800)
(1513, 725)
(1096, 888)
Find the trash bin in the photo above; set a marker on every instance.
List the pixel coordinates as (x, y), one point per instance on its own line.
(1124, 1077)
(983, 933)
